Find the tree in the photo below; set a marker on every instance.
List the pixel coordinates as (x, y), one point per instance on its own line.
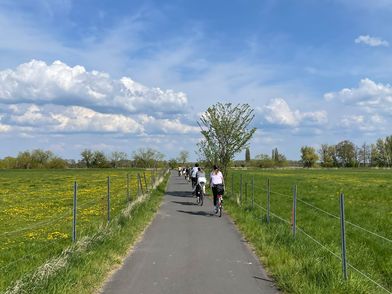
(308, 156)
(364, 155)
(99, 160)
(57, 162)
(328, 155)
(208, 153)
(40, 158)
(264, 161)
(173, 163)
(226, 130)
(23, 160)
(247, 154)
(346, 153)
(87, 157)
(278, 158)
(183, 156)
(146, 157)
(379, 153)
(117, 157)
(388, 150)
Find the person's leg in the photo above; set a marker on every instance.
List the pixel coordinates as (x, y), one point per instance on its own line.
(215, 194)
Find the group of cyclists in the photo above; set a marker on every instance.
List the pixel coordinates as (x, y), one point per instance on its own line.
(198, 178)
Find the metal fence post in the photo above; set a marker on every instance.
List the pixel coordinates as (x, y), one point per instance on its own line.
(140, 183)
(152, 179)
(268, 200)
(75, 192)
(294, 216)
(108, 199)
(343, 236)
(253, 192)
(128, 189)
(145, 181)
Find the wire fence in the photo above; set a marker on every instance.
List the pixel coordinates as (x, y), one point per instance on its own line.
(89, 206)
(240, 194)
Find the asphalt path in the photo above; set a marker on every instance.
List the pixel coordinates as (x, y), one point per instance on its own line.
(189, 249)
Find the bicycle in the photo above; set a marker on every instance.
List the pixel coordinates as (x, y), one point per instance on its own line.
(200, 193)
(220, 205)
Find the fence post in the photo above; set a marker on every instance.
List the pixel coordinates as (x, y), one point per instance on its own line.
(145, 181)
(75, 192)
(253, 192)
(140, 183)
(128, 189)
(268, 200)
(108, 199)
(241, 190)
(343, 236)
(294, 213)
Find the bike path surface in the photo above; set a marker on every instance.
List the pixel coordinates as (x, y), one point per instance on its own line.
(189, 249)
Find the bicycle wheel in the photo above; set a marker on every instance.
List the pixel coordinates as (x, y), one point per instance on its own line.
(220, 207)
(201, 198)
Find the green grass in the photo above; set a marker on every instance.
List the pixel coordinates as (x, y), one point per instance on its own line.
(86, 264)
(300, 265)
(36, 213)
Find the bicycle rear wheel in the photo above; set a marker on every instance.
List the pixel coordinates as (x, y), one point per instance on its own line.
(220, 207)
(201, 198)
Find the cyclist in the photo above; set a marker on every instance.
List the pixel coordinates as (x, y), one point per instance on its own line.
(217, 184)
(194, 171)
(201, 180)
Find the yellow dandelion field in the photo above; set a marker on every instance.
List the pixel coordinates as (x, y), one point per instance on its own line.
(37, 211)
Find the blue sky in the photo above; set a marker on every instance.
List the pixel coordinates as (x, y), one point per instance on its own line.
(120, 75)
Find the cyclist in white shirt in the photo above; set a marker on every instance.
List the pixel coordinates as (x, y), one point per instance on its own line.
(217, 184)
(194, 171)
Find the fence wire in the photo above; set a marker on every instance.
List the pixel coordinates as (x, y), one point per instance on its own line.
(81, 205)
(322, 245)
(335, 216)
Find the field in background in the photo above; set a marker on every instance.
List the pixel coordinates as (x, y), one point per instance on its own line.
(308, 266)
(36, 212)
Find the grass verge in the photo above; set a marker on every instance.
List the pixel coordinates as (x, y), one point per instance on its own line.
(297, 265)
(83, 267)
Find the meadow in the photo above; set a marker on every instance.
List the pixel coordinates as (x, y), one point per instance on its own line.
(37, 211)
(309, 263)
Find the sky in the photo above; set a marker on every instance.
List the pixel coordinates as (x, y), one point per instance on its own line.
(123, 75)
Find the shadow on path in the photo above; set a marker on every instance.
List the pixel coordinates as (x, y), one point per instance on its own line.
(186, 194)
(184, 203)
(202, 213)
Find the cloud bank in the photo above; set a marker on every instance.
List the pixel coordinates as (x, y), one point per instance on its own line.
(57, 98)
(57, 83)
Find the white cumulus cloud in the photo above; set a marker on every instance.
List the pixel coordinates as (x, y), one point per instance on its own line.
(57, 83)
(362, 123)
(371, 41)
(278, 112)
(368, 95)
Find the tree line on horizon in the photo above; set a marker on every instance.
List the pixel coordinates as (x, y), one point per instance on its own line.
(347, 154)
(46, 159)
